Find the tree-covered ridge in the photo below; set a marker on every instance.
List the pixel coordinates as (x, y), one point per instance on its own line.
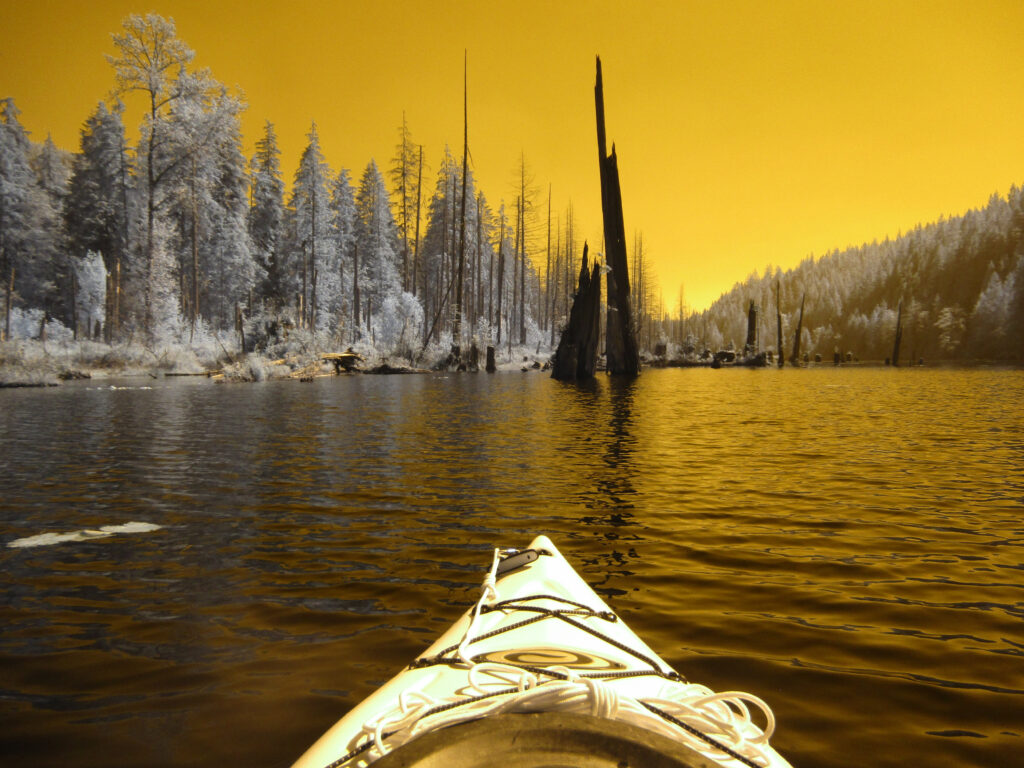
(960, 281)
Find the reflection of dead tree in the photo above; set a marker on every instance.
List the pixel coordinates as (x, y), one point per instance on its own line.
(576, 356)
(621, 345)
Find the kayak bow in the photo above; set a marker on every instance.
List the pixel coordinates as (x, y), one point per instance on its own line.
(542, 670)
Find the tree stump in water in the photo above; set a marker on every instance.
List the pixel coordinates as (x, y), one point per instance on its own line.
(576, 356)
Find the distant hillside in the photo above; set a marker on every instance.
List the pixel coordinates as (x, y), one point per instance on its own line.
(961, 281)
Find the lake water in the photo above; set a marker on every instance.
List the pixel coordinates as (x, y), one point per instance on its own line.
(845, 543)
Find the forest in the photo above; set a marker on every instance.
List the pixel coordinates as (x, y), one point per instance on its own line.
(180, 239)
(960, 281)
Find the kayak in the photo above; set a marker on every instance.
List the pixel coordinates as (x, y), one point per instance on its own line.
(541, 672)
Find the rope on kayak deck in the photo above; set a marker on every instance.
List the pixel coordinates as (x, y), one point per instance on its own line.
(720, 723)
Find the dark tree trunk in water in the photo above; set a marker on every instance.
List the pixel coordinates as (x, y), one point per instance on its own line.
(750, 347)
(899, 335)
(491, 367)
(778, 320)
(576, 356)
(621, 345)
(795, 359)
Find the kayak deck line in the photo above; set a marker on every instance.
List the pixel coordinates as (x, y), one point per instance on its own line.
(571, 658)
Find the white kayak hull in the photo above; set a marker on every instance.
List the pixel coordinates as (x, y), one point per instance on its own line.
(541, 640)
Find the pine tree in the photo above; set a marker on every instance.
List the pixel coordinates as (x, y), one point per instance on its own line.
(266, 215)
(29, 223)
(151, 60)
(404, 175)
(312, 248)
(206, 189)
(376, 239)
(95, 213)
(343, 228)
(438, 249)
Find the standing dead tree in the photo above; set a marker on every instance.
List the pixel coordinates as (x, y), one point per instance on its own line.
(795, 359)
(457, 332)
(899, 336)
(778, 322)
(576, 356)
(750, 346)
(623, 353)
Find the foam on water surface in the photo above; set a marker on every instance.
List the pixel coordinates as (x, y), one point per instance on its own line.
(86, 534)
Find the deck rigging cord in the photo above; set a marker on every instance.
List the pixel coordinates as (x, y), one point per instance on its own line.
(709, 722)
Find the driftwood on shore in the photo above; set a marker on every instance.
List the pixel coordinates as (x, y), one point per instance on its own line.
(576, 356)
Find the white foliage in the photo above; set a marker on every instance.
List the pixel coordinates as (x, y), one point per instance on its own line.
(398, 322)
(91, 297)
(163, 288)
(995, 304)
(25, 324)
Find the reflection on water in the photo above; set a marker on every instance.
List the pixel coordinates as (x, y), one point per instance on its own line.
(846, 543)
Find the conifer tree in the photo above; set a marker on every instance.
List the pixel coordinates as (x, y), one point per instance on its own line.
(207, 200)
(29, 222)
(312, 247)
(95, 213)
(151, 60)
(376, 239)
(343, 228)
(266, 215)
(404, 177)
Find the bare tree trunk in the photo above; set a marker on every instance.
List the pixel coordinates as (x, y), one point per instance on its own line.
(355, 292)
(195, 255)
(240, 327)
(522, 257)
(501, 272)
(419, 198)
(115, 321)
(622, 351)
(490, 288)
(108, 309)
(74, 304)
(899, 336)
(302, 298)
(405, 211)
(478, 282)
(795, 359)
(457, 333)
(312, 258)
(150, 216)
(750, 345)
(117, 298)
(554, 288)
(312, 302)
(576, 356)
(546, 314)
(778, 321)
(515, 276)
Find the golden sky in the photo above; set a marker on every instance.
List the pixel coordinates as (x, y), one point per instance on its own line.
(748, 133)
